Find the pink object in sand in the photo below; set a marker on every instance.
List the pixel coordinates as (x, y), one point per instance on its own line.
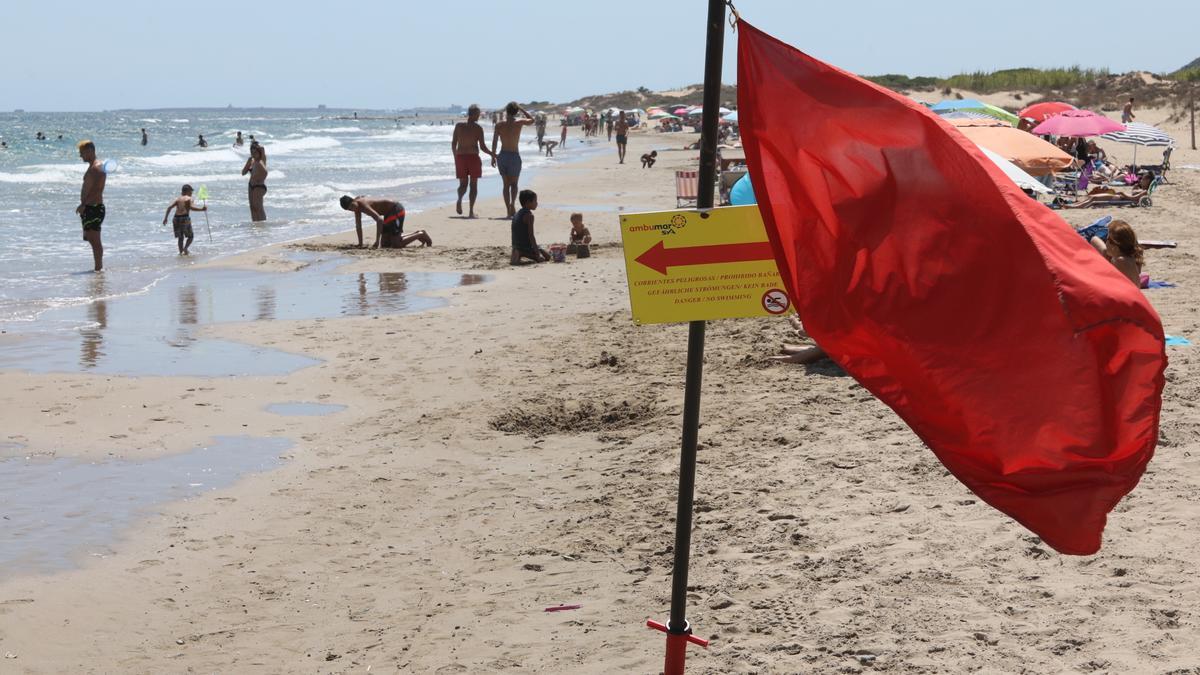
(562, 608)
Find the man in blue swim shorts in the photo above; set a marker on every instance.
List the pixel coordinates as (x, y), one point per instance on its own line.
(508, 160)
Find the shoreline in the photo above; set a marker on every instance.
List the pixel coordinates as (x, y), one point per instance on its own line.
(516, 449)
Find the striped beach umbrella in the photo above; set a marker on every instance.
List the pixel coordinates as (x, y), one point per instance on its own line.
(966, 115)
(1136, 133)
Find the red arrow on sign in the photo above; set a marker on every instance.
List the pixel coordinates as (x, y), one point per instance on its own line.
(659, 257)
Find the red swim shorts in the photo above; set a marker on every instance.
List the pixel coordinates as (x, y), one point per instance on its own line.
(467, 165)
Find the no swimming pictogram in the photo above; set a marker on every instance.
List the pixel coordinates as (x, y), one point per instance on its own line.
(776, 301)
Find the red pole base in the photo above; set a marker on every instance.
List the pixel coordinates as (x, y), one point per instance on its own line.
(676, 646)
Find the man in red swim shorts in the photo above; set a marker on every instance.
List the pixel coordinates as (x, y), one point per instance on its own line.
(466, 146)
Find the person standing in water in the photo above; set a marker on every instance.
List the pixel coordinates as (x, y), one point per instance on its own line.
(238, 142)
(183, 207)
(466, 144)
(256, 166)
(202, 143)
(91, 201)
(508, 134)
(145, 138)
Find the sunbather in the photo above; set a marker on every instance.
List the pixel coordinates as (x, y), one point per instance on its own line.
(1122, 249)
(1107, 195)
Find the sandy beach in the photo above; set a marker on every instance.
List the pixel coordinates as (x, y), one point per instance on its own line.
(516, 449)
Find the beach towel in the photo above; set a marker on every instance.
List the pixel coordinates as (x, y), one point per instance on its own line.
(1023, 360)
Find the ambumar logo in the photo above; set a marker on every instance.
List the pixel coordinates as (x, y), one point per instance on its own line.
(678, 222)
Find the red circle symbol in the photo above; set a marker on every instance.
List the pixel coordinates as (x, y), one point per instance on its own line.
(776, 301)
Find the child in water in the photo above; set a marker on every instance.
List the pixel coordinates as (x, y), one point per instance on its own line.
(183, 206)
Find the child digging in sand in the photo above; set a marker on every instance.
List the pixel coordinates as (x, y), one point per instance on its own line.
(183, 206)
(580, 238)
(524, 244)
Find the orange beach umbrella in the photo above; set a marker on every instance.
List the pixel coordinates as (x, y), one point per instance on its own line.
(1035, 156)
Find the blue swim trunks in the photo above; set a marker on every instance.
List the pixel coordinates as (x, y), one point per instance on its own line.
(509, 163)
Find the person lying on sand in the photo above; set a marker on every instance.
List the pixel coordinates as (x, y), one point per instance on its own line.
(389, 221)
(802, 354)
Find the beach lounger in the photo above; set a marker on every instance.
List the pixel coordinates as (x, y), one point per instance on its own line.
(687, 187)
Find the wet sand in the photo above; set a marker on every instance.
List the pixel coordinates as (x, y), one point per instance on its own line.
(515, 449)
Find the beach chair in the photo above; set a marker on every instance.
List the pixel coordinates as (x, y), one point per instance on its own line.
(687, 187)
(1160, 170)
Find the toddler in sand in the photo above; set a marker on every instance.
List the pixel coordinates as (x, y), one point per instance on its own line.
(183, 206)
(579, 237)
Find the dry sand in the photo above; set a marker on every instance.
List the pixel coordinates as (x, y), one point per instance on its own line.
(517, 449)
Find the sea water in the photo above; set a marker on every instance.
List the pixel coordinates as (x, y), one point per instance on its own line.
(314, 157)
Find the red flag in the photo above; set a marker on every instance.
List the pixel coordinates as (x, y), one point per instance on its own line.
(1029, 365)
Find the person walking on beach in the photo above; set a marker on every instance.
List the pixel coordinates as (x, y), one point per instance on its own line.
(622, 128)
(256, 166)
(1127, 112)
(183, 206)
(466, 144)
(145, 138)
(389, 221)
(608, 122)
(91, 201)
(508, 134)
(562, 138)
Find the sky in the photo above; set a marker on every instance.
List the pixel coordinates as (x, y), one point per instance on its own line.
(394, 54)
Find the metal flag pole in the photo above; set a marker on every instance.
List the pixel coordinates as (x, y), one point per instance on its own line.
(677, 629)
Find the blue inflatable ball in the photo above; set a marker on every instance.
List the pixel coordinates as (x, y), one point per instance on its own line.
(742, 192)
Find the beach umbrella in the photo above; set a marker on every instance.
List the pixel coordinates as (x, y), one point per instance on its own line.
(1077, 123)
(723, 110)
(969, 115)
(952, 105)
(1136, 134)
(1040, 112)
(1018, 176)
(732, 117)
(1030, 153)
(681, 110)
(663, 115)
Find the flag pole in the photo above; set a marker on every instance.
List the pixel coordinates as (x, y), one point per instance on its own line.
(678, 629)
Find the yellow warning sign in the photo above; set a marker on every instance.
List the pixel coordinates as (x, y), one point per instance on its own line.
(693, 266)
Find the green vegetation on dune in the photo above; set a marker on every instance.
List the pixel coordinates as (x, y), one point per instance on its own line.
(902, 82)
(1025, 79)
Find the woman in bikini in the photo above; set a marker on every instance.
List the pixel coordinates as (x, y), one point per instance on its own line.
(256, 166)
(1123, 250)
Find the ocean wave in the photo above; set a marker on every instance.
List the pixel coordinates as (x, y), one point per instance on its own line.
(359, 186)
(417, 134)
(181, 121)
(335, 130)
(45, 173)
(191, 158)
